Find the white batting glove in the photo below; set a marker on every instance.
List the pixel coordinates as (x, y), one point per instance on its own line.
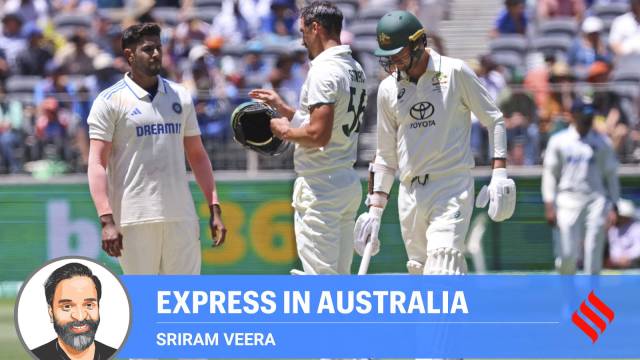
(500, 194)
(366, 229)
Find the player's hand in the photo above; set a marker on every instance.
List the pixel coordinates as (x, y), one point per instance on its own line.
(218, 230)
(280, 127)
(111, 237)
(550, 214)
(500, 194)
(268, 96)
(367, 229)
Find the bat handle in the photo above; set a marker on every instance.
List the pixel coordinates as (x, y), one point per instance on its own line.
(366, 257)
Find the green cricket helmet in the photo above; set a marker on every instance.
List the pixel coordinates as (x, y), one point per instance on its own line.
(396, 30)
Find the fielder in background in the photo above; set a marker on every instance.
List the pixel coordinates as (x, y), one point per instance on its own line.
(424, 125)
(140, 130)
(579, 186)
(325, 129)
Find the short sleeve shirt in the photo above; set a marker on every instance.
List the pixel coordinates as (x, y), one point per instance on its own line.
(147, 175)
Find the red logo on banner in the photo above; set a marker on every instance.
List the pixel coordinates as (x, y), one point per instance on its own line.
(596, 319)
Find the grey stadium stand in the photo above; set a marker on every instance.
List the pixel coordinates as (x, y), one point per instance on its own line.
(509, 43)
(552, 44)
(566, 26)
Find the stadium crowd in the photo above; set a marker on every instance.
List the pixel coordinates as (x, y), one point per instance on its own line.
(56, 56)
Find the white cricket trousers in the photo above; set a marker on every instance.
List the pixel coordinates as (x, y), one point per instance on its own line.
(581, 227)
(435, 213)
(161, 248)
(325, 207)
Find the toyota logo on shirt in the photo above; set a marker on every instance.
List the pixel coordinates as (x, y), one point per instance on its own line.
(422, 110)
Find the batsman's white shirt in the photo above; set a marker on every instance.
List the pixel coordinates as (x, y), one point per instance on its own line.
(334, 78)
(146, 171)
(577, 168)
(425, 127)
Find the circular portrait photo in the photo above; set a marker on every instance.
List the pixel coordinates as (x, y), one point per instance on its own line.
(72, 308)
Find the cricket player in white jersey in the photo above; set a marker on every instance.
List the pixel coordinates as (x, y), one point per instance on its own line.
(579, 187)
(424, 124)
(325, 128)
(140, 130)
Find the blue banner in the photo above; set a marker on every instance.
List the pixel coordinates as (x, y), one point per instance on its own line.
(384, 316)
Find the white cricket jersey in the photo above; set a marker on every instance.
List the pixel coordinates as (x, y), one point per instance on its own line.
(334, 78)
(146, 170)
(425, 127)
(580, 166)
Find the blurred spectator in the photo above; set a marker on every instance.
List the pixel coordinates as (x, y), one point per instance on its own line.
(11, 131)
(536, 79)
(12, 41)
(588, 48)
(73, 6)
(100, 28)
(188, 34)
(521, 122)
(523, 138)
(212, 119)
(560, 8)
(231, 24)
(624, 37)
(56, 85)
(31, 11)
(51, 130)
(32, 60)
(282, 20)
(254, 69)
(105, 73)
(624, 237)
(191, 31)
(512, 19)
(206, 73)
(494, 82)
(284, 81)
(608, 113)
(80, 128)
(113, 44)
(254, 11)
(555, 114)
(77, 55)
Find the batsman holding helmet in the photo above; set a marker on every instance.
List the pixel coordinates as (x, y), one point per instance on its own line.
(325, 129)
(424, 124)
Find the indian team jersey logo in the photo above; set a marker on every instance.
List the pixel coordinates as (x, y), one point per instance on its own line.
(177, 108)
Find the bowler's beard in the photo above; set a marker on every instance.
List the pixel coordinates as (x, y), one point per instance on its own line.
(149, 70)
(78, 342)
(152, 71)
